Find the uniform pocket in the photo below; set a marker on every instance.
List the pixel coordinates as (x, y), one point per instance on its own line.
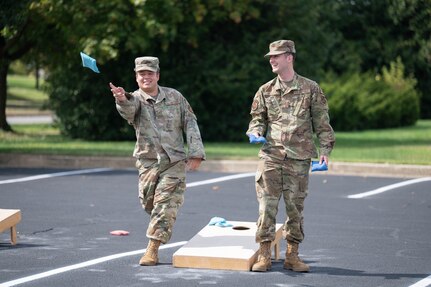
(260, 169)
(142, 163)
(301, 105)
(258, 176)
(172, 116)
(273, 107)
(147, 185)
(170, 190)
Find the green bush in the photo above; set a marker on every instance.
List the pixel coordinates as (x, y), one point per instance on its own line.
(365, 101)
(84, 105)
(18, 68)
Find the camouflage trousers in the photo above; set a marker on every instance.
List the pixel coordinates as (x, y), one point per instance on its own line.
(276, 178)
(161, 193)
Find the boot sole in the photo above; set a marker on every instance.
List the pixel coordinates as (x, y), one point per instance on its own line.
(149, 263)
(260, 270)
(296, 270)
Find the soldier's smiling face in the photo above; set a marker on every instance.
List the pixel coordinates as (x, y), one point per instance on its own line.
(280, 63)
(147, 81)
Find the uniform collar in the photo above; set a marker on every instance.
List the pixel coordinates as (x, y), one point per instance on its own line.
(160, 96)
(279, 87)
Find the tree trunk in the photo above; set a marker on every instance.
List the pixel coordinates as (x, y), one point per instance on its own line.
(4, 67)
(37, 74)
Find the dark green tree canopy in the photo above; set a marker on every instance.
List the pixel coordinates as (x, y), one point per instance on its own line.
(211, 51)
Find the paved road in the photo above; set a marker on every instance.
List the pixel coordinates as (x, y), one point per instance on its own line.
(379, 240)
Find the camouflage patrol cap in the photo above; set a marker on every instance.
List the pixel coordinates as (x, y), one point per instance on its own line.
(147, 64)
(281, 47)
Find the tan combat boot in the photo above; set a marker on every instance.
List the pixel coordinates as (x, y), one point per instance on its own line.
(151, 256)
(292, 261)
(264, 258)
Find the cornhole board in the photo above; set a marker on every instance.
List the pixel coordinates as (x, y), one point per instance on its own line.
(9, 218)
(228, 248)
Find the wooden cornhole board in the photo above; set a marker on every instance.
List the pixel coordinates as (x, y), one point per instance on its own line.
(228, 248)
(9, 218)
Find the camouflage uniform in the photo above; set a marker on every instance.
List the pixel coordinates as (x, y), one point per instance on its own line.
(287, 117)
(160, 123)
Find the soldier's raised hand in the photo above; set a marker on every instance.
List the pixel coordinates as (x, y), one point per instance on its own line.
(118, 92)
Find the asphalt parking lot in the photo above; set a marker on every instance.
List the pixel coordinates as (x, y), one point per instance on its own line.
(383, 239)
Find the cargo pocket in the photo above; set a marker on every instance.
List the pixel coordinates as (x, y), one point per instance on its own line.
(170, 191)
(143, 164)
(147, 186)
(259, 180)
(258, 176)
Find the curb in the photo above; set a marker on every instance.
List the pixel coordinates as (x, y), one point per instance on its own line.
(228, 166)
(335, 168)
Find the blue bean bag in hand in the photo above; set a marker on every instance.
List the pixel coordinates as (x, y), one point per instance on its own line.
(315, 166)
(256, 140)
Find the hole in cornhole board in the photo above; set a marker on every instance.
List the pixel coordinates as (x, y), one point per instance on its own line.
(241, 228)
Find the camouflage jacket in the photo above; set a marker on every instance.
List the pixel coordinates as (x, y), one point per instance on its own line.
(160, 125)
(288, 119)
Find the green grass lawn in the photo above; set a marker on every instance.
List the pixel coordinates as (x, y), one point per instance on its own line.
(23, 97)
(409, 145)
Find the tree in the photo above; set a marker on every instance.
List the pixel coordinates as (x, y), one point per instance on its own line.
(27, 28)
(411, 20)
(212, 51)
(372, 34)
(14, 23)
(183, 34)
(56, 31)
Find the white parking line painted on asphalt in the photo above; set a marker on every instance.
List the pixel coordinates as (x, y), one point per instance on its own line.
(219, 179)
(423, 283)
(50, 175)
(82, 265)
(94, 170)
(389, 187)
